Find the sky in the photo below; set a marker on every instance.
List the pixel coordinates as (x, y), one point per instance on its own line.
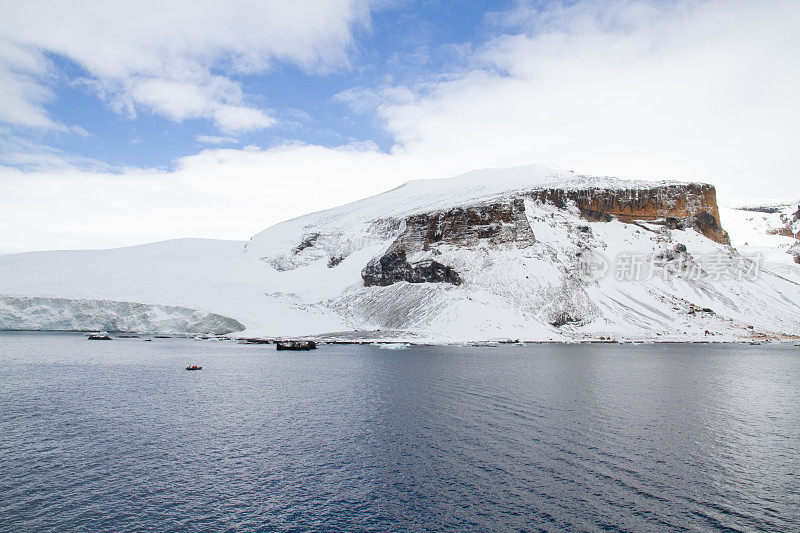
(130, 122)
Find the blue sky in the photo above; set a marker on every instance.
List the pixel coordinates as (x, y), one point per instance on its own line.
(123, 123)
(404, 43)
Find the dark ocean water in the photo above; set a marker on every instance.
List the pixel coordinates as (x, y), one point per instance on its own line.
(118, 436)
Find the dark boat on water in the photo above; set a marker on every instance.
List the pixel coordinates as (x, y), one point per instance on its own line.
(295, 345)
(102, 336)
(194, 367)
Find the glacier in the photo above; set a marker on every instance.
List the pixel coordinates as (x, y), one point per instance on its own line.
(64, 314)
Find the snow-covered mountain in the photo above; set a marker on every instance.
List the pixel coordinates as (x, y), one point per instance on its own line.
(767, 227)
(524, 253)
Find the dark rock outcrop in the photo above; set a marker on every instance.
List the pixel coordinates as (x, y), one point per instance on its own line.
(394, 266)
(677, 252)
(708, 225)
(500, 222)
(308, 242)
(497, 223)
(761, 209)
(295, 345)
(795, 252)
(595, 216)
(787, 229)
(783, 231)
(659, 203)
(504, 223)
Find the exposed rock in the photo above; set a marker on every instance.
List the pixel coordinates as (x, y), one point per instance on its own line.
(784, 231)
(254, 340)
(295, 345)
(679, 202)
(564, 319)
(768, 210)
(504, 223)
(787, 225)
(595, 216)
(335, 260)
(676, 252)
(501, 222)
(674, 223)
(694, 309)
(708, 225)
(308, 242)
(393, 267)
(795, 252)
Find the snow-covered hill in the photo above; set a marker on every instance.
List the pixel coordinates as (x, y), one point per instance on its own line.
(771, 228)
(198, 274)
(524, 253)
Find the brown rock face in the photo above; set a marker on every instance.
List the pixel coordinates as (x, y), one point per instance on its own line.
(677, 207)
(785, 231)
(501, 222)
(694, 204)
(497, 223)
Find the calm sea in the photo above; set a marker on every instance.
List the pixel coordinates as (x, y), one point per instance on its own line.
(118, 436)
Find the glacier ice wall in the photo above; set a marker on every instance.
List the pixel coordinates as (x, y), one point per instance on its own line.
(64, 314)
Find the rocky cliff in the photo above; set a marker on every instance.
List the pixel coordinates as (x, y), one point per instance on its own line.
(679, 206)
(503, 253)
(683, 205)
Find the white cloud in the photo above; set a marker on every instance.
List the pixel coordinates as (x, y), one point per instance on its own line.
(34, 157)
(213, 139)
(703, 90)
(691, 90)
(233, 119)
(218, 193)
(79, 131)
(21, 94)
(173, 58)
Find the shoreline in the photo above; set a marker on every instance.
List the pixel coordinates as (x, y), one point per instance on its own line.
(378, 341)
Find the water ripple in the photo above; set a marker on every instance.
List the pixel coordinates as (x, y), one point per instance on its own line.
(115, 436)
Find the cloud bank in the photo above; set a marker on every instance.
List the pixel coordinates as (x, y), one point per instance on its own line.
(703, 90)
(175, 59)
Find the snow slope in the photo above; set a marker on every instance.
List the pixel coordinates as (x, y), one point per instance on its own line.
(199, 274)
(303, 276)
(767, 227)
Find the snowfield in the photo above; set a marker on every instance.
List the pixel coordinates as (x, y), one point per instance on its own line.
(303, 276)
(198, 274)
